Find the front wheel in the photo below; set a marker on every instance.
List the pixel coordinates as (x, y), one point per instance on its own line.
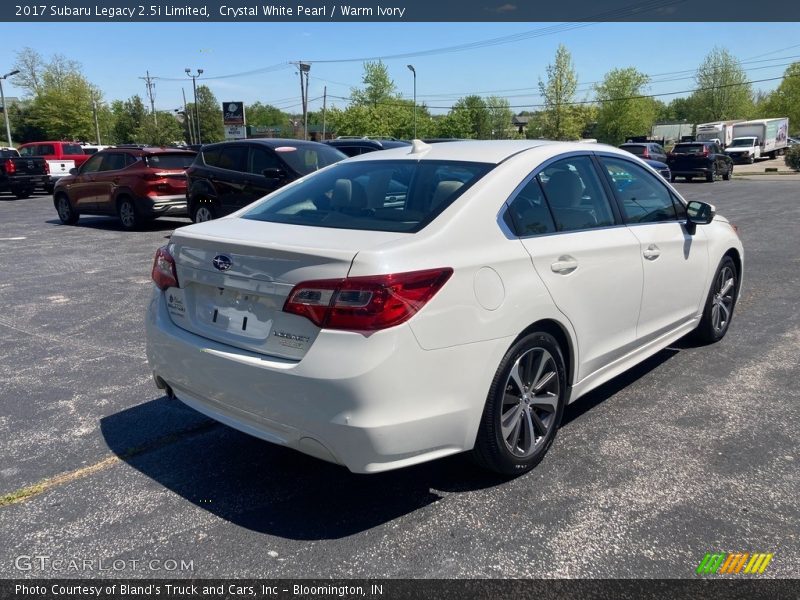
(721, 300)
(524, 406)
(67, 214)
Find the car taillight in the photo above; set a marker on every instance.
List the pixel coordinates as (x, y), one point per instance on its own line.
(705, 151)
(46, 168)
(10, 167)
(164, 274)
(365, 303)
(646, 153)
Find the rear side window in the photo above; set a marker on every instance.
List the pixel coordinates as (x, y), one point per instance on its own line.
(46, 149)
(71, 149)
(175, 161)
(113, 161)
(529, 212)
(387, 195)
(260, 159)
(233, 158)
(211, 157)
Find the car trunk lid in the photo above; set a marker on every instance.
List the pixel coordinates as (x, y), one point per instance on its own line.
(235, 275)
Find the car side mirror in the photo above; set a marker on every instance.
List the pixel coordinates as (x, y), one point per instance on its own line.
(73, 171)
(698, 213)
(274, 173)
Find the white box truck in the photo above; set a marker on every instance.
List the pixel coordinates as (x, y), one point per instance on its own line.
(719, 131)
(759, 138)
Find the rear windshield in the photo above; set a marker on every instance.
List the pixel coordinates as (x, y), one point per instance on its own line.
(382, 195)
(637, 150)
(72, 149)
(688, 149)
(8, 154)
(170, 161)
(307, 159)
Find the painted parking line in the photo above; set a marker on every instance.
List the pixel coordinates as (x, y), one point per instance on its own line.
(12, 239)
(27, 492)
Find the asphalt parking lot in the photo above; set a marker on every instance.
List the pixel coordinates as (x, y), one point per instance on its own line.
(692, 452)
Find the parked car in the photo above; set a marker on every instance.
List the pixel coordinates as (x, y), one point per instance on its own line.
(402, 306)
(661, 167)
(352, 147)
(649, 150)
(228, 176)
(793, 141)
(21, 176)
(61, 158)
(136, 184)
(706, 159)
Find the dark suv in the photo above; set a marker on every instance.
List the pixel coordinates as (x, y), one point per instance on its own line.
(706, 159)
(135, 183)
(353, 147)
(646, 150)
(230, 175)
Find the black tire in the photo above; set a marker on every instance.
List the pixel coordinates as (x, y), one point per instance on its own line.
(48, 189)
(715, 321)
(751, 160)
(672, 178)
(203, 210)
(712, 176)
(688, 178)
(726, 176)
(66, 213)
(128, 214)
(22, 193)
(496, 448)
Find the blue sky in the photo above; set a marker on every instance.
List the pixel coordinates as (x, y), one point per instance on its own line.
(115, 55)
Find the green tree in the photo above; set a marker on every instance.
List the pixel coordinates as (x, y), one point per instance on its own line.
(622, 112)
(724, 91)
(476, 113)
(129, 116)
(500, 115)
(168, 131)
(560, 120)
(784, 101)
(266, 115)
(378, 86)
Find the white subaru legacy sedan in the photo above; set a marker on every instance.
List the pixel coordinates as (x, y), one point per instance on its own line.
(410, 304)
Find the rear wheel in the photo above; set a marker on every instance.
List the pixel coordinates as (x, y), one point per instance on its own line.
(721, 300)
(524, 406)
(48, 189)
(712, 176)
(203, 211)
(128, 215)
(727, 174)
(672, 178)
(67, 214)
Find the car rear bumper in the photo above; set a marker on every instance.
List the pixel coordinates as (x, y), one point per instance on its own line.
(157, 206)
(28, 181)
(369, 402)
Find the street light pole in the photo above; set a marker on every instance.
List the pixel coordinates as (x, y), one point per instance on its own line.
(5, 108)
(414, 71)
(196, 112)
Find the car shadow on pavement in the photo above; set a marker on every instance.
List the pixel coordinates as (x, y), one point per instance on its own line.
(112, 224)
(270, 489)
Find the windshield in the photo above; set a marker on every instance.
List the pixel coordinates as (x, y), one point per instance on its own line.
(306, 159)
(385, 195)
(742, 143)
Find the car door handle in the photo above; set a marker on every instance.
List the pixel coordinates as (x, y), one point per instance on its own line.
(651, 252)
(564, 265)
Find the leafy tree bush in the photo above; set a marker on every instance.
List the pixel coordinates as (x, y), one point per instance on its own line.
(792, 157)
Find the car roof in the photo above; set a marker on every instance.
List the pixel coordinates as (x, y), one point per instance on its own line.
(270, 142)
(482, 151)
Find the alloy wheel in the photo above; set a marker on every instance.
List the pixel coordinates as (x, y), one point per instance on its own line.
(127, 214)
(530, 401)
(64, 209)
(203, 214)
(722, 302)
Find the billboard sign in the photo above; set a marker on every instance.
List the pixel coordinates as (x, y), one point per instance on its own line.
(233, 113)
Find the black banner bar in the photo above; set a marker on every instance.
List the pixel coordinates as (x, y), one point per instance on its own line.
(396, 11)
(711, 588)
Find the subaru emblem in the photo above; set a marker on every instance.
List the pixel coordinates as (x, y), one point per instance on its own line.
(222, 262)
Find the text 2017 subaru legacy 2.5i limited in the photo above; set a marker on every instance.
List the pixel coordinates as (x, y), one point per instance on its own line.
(403, 306)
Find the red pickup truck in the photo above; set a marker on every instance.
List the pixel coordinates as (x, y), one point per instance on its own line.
(61, 157)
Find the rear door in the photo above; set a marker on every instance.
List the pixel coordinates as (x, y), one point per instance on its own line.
(674, 263)
(588, 260)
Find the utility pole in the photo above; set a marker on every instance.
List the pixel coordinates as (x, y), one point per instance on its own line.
(414, 71)
(304, 68)
(151, 93)
(196, 112)
(96, 124)
(324, 107)
(5, 108)
(188, 117)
